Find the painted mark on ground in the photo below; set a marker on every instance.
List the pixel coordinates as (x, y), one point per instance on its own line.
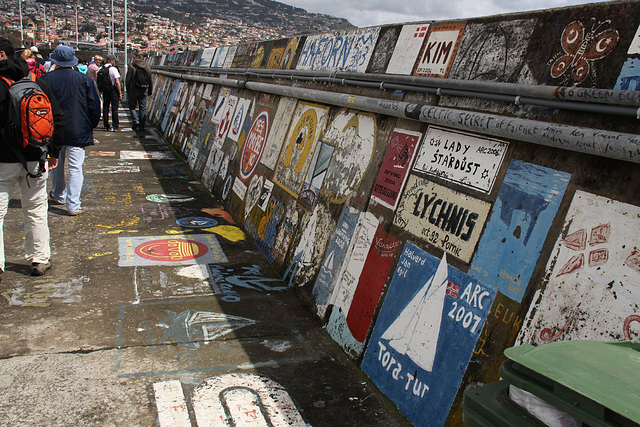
(234, 399)
(170, 250)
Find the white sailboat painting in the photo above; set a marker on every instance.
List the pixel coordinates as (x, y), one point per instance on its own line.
(416, 331)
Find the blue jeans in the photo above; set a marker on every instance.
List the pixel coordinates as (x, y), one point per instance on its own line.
(140, 99)
(69, 193)
(110, 100)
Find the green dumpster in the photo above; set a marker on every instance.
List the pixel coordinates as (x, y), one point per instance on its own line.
(596, 382)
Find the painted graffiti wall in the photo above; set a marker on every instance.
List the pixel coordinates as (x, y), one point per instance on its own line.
(424, 250)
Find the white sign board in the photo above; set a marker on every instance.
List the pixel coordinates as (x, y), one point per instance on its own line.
(464, 158)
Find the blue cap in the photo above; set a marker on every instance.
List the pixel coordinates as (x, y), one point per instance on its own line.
(64, 56)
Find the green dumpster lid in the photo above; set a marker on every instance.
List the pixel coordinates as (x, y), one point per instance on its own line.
(605, 372)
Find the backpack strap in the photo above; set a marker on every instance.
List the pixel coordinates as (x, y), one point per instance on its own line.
(7, 81)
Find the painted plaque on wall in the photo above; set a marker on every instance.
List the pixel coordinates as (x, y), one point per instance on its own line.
(341, 51)
(348, 326)
(439, 50)
(425, 334)
(279, 129)
(241, 112)
(444, 218)
(395, 167)
(464, 158)
(593, 275)
(254, 145)
(522, 215)
(333, 259)
(407, 48)
(299, 146)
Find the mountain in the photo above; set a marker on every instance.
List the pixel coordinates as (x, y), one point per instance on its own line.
(271, 14)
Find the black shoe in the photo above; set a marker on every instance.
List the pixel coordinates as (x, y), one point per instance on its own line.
(134, 126)
(107, 129)
(39, 268)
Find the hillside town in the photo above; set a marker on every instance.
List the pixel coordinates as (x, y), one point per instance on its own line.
(156, 26)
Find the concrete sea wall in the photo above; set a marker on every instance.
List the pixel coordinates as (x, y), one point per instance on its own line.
(430, 231)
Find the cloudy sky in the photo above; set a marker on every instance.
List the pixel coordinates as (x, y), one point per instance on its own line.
(363, 13)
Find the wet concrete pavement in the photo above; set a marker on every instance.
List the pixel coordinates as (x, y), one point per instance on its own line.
(142, 321)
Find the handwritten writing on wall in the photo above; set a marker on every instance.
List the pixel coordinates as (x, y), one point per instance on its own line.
(300, 144)
(444, 218)
(341, 51)
(439, 50)
(425, 334)
(395, 167)
(464, 158)
(596, 255)
(522, 215)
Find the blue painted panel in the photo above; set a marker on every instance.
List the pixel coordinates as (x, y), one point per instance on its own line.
(333, 258)
(524, 210)
(425, 334)
(629, 78)
(167, 107)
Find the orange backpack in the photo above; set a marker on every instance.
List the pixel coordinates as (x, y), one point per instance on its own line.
(30, 118)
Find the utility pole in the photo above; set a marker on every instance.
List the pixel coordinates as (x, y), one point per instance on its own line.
(21, 30)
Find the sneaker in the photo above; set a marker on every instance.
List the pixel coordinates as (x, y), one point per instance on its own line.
(75, 213)
(53, 201)
(115, 130)
(39, 268)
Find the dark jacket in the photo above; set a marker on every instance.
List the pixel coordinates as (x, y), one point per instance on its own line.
(15, 69)
(79, 100)
(129, 82)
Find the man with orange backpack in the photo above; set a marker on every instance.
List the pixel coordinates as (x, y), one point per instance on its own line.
(31, 132)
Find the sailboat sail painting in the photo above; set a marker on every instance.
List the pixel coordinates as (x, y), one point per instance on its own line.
(416, 330)
(424, 336)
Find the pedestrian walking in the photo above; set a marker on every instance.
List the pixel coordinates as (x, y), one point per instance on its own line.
(25, 167)
(79, 101)
(139, 87)
(94, 66)
(108, 79)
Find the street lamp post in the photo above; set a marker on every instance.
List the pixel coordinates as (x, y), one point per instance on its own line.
(126, 47)
(21, 30)
(76, 24)
(113, 30)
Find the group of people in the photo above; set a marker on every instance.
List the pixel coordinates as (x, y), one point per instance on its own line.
(74, 93)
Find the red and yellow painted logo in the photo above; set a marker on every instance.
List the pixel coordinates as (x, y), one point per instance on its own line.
(171, 250)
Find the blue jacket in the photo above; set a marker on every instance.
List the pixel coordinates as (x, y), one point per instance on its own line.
(80, 103)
